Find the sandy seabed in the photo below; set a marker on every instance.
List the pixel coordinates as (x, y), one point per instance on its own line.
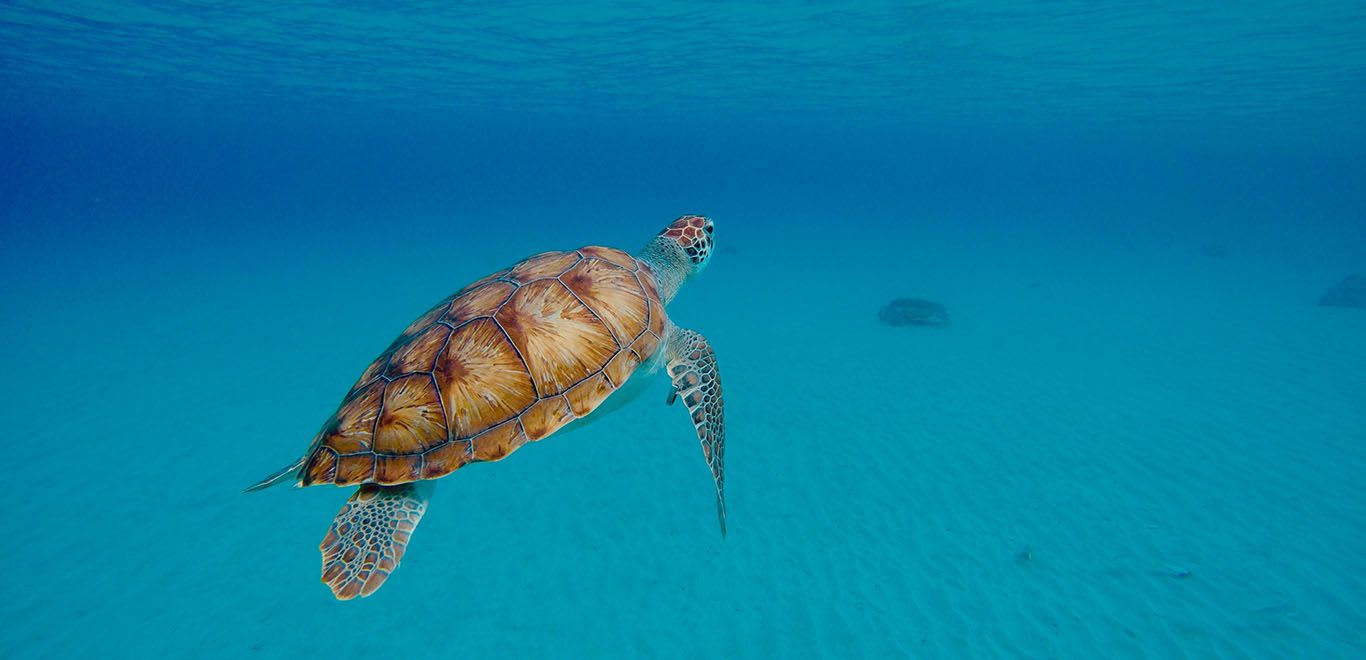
(1111, 451)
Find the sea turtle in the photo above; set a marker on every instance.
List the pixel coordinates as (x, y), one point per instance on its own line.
(507, 360)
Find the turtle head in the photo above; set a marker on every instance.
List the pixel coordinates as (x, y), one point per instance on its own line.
(692, 233)
(679, 252)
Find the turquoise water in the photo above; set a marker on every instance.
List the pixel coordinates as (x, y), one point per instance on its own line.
(1139, 435)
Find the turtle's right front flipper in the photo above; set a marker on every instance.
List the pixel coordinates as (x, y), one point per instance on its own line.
(692, 366)
(368, 537)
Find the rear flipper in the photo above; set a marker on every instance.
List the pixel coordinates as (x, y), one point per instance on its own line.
(368, 537)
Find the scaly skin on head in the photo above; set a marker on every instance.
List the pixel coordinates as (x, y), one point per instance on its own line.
(679, 252)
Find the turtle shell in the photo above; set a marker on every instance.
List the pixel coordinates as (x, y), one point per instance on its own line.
(509, 359)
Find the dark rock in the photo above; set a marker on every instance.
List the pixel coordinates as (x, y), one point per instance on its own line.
(1177, 572)
(1350, 292)
(914, 311)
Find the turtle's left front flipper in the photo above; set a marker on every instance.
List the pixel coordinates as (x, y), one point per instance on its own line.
(692, 366)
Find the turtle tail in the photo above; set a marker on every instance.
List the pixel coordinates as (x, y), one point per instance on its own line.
(287, 471)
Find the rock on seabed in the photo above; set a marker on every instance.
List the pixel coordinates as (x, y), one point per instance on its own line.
(1350, 292)
(914, 311)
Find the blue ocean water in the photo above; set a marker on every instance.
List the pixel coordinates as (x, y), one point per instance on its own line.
(1138, 436)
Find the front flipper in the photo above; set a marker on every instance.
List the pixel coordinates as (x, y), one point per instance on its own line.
(692, 366)
(368, 537)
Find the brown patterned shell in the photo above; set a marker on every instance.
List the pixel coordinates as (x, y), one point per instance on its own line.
(507, 360)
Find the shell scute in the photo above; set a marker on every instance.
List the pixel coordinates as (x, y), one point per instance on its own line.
(482, 281)
(499, 441)
(561, 340)
(483, 301)
(371, 373)
(546, 416)
(612, 293)
(391, 470)
(355, 469)
(645, 345)
(621, 366)
(411, 420)
(423, 321)
(586, 396)
(647, 282)
(445, 459)
(322, 468)
(482, 379)
(656, 324)
(542, 266)
(419, 353)
(611, 254)
(351, 428)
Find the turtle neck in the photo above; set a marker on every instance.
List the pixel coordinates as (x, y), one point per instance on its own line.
(669, 263)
